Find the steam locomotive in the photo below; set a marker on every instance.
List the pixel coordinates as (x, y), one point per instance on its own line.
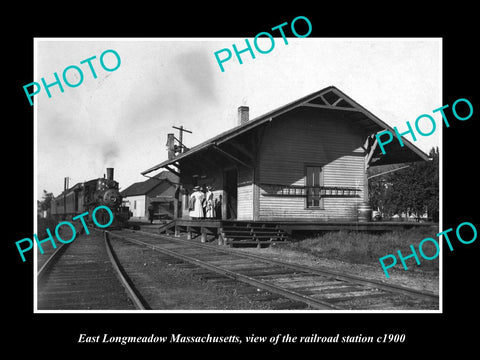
(86, 196)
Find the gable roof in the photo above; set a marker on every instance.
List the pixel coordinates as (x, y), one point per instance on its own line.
(144, 187)
(328, 98)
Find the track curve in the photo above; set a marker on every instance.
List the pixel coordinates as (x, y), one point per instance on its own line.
(80, 276)
(321, 289)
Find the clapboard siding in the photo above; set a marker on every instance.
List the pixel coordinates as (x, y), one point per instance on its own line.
(245, 194)
(245, 203)
(310, 137)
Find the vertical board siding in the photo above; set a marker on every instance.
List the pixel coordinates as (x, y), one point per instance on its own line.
(311, 137)
(70, 203)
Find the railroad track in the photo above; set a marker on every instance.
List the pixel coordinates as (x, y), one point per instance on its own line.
(84, 275)
(317, 288)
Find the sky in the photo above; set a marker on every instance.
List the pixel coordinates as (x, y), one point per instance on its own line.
(121, 119)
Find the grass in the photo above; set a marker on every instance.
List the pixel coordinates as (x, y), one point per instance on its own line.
(367, 248)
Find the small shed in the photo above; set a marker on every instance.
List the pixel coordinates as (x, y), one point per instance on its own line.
(157, 191)
(305, 161)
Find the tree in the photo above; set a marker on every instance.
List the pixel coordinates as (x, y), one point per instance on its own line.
(413, 190)
(46, 201)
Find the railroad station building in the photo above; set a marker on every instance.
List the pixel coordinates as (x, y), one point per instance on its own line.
(305, 160)
(303, 163)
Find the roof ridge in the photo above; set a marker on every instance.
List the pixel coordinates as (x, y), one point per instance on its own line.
(240, 129)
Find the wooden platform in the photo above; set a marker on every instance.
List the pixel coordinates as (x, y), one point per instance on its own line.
(263, 233)
(354, 225)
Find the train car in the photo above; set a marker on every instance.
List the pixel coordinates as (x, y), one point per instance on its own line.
(86, 196)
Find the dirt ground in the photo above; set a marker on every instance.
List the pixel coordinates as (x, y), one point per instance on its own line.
(170, 284)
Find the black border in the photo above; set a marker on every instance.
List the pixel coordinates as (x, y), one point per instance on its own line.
(431, 332)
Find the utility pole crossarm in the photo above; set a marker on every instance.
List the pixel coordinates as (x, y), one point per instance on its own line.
(181, 130)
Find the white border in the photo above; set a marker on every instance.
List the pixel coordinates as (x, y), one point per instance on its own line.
(35, 162)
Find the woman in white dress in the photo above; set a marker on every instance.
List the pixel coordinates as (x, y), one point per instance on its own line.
(195, 203)
(209, 204)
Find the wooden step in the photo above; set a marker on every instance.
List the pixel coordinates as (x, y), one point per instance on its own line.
(239, 231)
(250, 242)
(255, 237)
(253, 234)
(251, 225)
(259, 233)
(238, 228)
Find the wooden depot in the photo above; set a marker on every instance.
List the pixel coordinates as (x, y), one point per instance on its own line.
(301, 166)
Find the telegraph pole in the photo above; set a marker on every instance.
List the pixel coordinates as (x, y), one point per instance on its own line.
(180, 140)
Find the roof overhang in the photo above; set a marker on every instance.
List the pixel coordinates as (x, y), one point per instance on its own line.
(329, 98)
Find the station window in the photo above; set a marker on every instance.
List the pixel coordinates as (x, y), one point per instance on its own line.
(314, 182)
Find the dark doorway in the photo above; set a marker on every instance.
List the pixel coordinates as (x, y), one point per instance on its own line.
(230, 186)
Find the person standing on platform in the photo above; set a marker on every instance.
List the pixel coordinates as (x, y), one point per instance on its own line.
(209, 204)
(195, 203)
(151, 212)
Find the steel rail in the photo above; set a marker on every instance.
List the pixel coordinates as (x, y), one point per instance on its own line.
(315, 303)
(325, 272)
(136, 298)
(51, 260)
